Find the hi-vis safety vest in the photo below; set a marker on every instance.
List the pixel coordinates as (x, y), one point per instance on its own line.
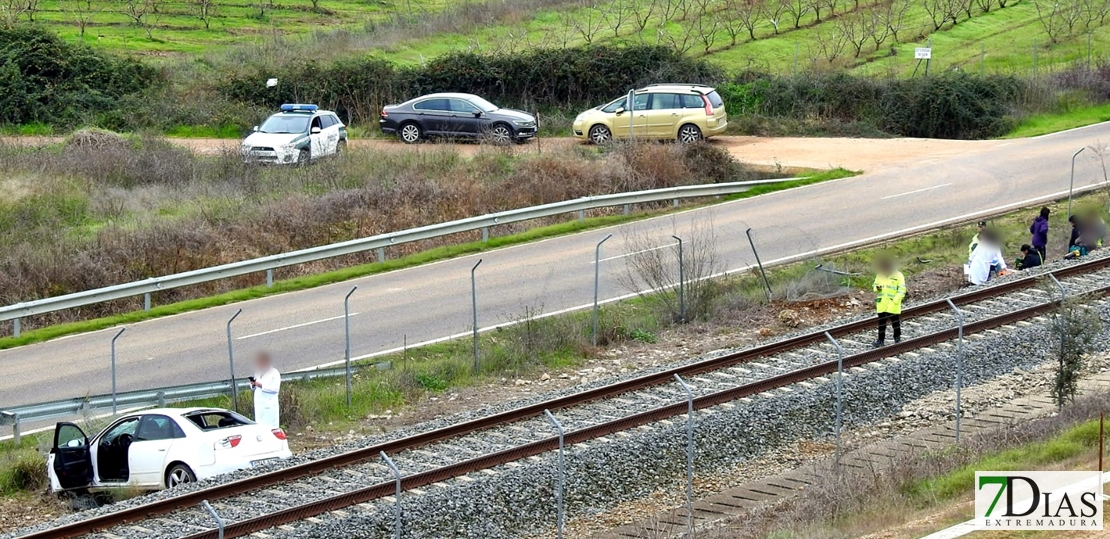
(890, 291)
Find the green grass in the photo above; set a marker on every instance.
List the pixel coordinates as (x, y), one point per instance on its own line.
(205, 131)
(1042, 124)
(312, 281)
(1070, 444)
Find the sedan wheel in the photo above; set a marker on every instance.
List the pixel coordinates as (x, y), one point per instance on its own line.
(599, 134)
(179, 474)
(410, 133)
(501, 134)
(689, 133)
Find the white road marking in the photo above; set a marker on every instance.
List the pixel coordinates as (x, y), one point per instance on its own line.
(785, 260)
(916, 191)
(294, 326)
(636, 252)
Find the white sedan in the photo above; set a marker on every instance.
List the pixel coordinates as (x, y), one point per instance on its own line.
(161, 448)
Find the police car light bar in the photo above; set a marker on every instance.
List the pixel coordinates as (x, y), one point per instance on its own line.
(290, 107)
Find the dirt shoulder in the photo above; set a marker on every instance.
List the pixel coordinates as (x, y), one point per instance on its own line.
(794, 152)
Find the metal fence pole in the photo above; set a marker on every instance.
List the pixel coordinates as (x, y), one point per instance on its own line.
(146, 301)
(347, 340)
(959, 366)
(559, 484)
(269, 278)
(597, 280)
(15, 327)
(1071, 183)
(681, 282)
(474, 311)
(231, 362)
(120, 332)
(839, 394)
(1063, 333)
(397, 477)
(219, 521)
(689, 456)
(763, 274)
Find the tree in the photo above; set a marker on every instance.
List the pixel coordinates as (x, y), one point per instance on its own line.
(642, 12)
(894, 13)
(737, 16)
(985, 5)
(773, 10)
(617, 14)
(13, 10)
(1058, 17)
(830, 43)
(588, 23)
(141, 12)
(707, 24)
(856, 28)
(1076, 328)
(796, 10)
(206, 9)
(940, 11)
(82, 12)
(32, 7)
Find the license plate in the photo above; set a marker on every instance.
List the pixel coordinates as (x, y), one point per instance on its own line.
(263, 462)
(259, 153)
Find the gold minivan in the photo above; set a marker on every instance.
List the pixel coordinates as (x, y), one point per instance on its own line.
(683, 112)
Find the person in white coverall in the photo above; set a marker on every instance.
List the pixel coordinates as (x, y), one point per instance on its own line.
(265, 383)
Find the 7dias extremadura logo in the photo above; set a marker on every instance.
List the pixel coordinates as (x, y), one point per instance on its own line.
(1038, 501)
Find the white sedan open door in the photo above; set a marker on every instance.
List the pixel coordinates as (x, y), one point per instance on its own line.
(70, 462)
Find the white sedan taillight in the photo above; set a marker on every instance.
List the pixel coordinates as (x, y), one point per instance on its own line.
(279, 434)
(228, 443)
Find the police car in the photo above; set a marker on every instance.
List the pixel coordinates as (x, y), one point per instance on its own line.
(298, 134)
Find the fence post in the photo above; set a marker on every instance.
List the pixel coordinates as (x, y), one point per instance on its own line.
(14, 418)
(347, 340)
(766, 284)
(120, 332)
(561, 471)
(485, 234)
(381, 255)
(1063, 334)
(959, 366)
(839, 395)
(219, 521)
(15, 327)
(474, 311)
(269, 278)
(397, 478)
(597, 279)
(689, 457)
(1071, 183)
(681, 282)
(231, 362)
(146, 301)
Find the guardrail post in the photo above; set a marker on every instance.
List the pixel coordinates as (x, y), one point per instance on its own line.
(689, 457)
(485, 234)
(15, 327)
(161, 399)
(681, 283)
(839, 395)
(397, 477)
(959, 365)
(1063, 334)
(474, 311)
(581, 215)
(216, 516)
(146, 301)
(561, 478)
(763, 274)
(231, 362)
(14, 418)
(347, 340)
(674, 203)
(269, 278)
(627, 209)
(121, 330)
(597, 280)
(381, 255)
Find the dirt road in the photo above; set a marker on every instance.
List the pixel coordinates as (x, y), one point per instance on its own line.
(816, 153)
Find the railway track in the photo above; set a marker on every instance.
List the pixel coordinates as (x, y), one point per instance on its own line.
(339, 482)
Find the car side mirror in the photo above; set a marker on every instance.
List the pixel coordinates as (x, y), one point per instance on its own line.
(315, 130)
(477, 114)
(254, 129)
(619, 111)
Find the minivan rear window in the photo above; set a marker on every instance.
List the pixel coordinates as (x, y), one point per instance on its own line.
(715, 99)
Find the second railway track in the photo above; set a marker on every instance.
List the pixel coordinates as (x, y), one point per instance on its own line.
(344, 480)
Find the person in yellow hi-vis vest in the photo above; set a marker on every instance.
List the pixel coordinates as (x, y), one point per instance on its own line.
(890, 288)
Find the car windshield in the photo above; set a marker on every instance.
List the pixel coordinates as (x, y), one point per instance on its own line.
(486, 106)
(285, 124)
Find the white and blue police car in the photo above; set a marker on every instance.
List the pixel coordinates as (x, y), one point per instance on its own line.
(298, 134)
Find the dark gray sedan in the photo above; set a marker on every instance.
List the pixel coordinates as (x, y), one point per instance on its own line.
(458, 116)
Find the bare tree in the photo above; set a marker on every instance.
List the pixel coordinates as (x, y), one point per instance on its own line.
(617, 13)
(13, 10)
(894, 14)
(1094, 12)
(739, 16)
(642, 12)
(682, 41)
(1057, 17)
(588, 22)
(856, 28)
(82, 12)
(141, 13)
(985, 5)
(796, 10)
(707, 24)
(830, 43)
(939, 11)
(773, 10)
(206, 9)
(32, 8)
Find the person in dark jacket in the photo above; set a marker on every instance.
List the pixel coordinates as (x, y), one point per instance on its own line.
(1039, 230)
(1074, 239)
(1030, 258)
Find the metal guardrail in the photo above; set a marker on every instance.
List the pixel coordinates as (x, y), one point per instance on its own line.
(14, 416)
(380, 241)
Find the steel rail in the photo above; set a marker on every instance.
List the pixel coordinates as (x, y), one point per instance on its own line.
(233, 488)
(311, 509)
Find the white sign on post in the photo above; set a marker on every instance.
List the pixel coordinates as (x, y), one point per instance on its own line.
(923, 53)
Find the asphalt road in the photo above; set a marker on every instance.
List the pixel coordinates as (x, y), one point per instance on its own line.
(431, 302)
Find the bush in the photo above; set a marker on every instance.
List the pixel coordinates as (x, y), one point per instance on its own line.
(46, 80)
(22, 470)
